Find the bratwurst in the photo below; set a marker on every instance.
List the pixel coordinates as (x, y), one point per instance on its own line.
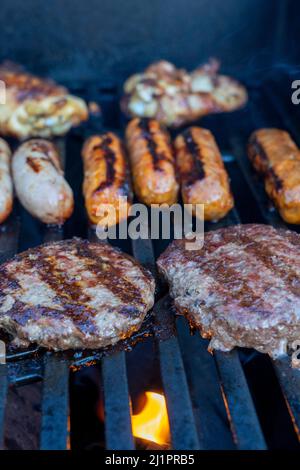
(275, 155)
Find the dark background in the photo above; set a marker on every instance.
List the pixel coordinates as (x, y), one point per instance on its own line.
(110, 39)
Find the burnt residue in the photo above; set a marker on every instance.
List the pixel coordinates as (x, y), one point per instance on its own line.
(144, 125)
(197, 172)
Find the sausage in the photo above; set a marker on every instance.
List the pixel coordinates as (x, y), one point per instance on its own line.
(203, 177)
(106, 178)
(152, 162)
(39, 182)
(275, 155)
(6, 186)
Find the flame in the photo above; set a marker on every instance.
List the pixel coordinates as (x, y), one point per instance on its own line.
(152, 423)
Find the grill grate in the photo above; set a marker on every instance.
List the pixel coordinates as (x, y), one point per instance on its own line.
(194, 421)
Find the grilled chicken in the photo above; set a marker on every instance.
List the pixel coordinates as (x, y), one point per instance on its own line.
(35, 106)
(276, 156)
(6, 186)
(202, 174)
(106, 179)
(152, 162)
(175, 97)
(39, 182)
(73, 294)
(241, 289)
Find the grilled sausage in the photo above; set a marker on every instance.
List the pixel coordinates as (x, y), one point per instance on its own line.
(203, 177)
(152, 162)
(40, 183)
(6, 186)
(106, 178)
(36, 107)
(276, 156)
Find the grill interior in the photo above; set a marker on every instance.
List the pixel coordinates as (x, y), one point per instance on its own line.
(211, 399)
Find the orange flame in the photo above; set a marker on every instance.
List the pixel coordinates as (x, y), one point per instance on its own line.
(152, 423)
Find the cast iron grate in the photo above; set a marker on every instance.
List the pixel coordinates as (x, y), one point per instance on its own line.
(181, 366)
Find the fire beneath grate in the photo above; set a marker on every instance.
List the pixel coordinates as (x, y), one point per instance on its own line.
(191, 399)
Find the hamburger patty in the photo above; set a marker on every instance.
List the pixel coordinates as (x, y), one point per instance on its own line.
(73, 294)
(241, 289)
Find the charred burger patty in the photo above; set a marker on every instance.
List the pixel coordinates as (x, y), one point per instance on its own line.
(73, 294)
(241, 289)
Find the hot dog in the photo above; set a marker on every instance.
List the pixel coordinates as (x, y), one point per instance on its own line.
(39, 182)
(152, 162)
(203, 177)
(275, 155)
(106, 178)
(6, 186)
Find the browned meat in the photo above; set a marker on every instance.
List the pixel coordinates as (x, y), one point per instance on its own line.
(275, 155)
(106, 178)
(73, 294)
(202, 174)
(152, 162)
(241, 289)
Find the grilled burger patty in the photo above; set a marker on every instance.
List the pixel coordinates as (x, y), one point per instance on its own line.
(73, 294)
(241, 289)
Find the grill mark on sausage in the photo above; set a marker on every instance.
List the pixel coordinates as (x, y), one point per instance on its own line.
(149, 136)
(198, 172)
(110, 277)
(256, 148)
(261, 251)
(69, 293)
(110, 160)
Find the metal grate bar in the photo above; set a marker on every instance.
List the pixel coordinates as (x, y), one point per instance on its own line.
(240, 408)
(118, 431)
(3, 395)
(54, 429)
(180, 411)
(116, 397)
